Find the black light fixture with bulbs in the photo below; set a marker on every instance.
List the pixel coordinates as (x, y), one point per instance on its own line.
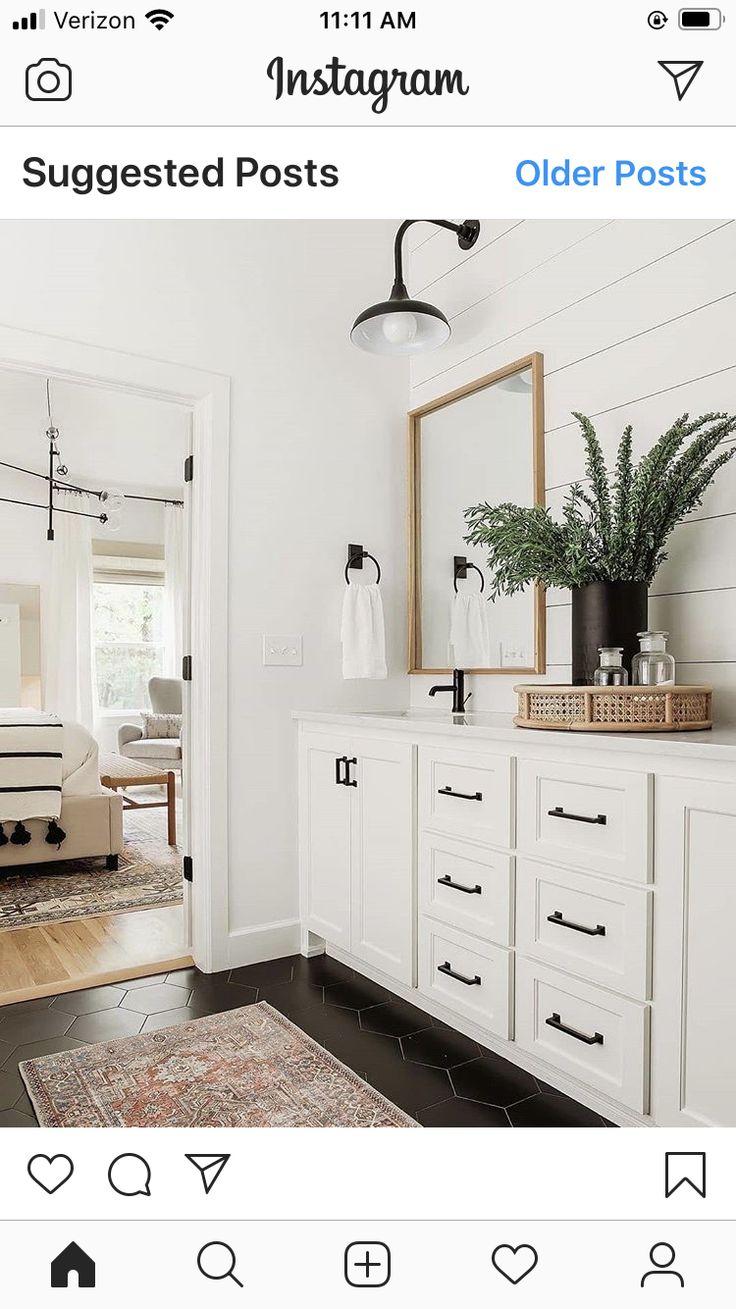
(111, 501)
(400, 325)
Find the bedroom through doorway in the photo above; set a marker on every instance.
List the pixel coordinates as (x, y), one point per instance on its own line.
(95, 554)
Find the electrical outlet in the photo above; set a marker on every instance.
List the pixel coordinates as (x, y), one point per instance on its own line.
(282, 651)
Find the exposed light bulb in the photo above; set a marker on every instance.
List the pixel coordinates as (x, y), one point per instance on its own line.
(400, 328)
(62, 470)
(110, 525)
(113, 501)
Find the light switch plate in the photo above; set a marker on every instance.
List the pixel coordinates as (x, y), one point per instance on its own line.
(282, 651)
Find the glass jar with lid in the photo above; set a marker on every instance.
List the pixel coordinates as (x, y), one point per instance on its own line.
(610, 670)
(653, 666)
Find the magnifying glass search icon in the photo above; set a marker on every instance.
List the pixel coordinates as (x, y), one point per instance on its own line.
(216, 1260)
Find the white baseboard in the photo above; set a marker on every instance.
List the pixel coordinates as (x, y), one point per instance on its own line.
(253, 945)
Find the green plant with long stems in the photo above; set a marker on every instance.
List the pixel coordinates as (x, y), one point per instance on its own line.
(615, 527)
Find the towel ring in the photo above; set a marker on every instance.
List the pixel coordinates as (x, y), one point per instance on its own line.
(480, 574)
(363, 554)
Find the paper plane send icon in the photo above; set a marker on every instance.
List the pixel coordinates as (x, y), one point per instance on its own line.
(209, 1166)
(683, 74)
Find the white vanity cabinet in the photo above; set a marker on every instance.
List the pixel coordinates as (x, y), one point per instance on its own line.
(356, 836)
(568, 901)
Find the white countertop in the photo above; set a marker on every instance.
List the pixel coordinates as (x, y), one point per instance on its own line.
(719, 744)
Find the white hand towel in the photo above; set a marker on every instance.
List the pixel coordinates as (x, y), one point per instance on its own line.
(363, 636)
(470, 638)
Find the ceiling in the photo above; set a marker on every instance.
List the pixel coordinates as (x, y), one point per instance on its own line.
(106, 437)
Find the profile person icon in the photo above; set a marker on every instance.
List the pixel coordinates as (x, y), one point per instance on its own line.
(662, 1255)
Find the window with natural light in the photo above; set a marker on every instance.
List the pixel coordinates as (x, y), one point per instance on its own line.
(129, 649)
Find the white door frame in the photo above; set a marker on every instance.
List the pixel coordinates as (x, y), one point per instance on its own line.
(207, 396)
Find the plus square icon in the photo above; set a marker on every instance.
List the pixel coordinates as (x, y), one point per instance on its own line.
(367, 1263)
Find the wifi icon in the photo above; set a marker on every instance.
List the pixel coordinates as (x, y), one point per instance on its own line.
(159, 17)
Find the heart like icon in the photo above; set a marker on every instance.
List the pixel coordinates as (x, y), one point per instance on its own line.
(514, 1262)
(50, 1172)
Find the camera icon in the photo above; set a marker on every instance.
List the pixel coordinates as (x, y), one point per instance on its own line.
(48, 80)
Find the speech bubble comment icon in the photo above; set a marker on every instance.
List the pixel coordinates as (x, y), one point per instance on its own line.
(130, 1174)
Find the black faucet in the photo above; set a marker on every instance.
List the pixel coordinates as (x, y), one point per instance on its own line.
(459, 697)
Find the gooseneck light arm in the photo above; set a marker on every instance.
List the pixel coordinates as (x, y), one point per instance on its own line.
(467, 235)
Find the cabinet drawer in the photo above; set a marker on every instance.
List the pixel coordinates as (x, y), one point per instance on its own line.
(593, 818)
(466, 794)
(466, 887)
(468, 976)
(599, 930)
(587, 1032)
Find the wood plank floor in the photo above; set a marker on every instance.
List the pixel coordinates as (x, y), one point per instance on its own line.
(62, 957)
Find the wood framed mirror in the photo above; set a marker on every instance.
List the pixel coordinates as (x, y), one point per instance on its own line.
(484, 441)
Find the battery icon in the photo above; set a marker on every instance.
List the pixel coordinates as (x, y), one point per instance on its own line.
(701, 20)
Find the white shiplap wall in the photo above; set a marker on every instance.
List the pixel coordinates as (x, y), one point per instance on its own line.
(637, 323)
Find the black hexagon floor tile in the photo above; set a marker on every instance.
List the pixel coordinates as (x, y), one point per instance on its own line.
(463, 1113)
(214, 996)
(183, 977)
(136, 982)
(360, 993)
(321, 970)
(152, 999)
(37, 1049)
(11, 1089)
(13, 1118)
(35, 1026)
(276, 972)
(171, 1018)
(91, 1001)
(410, 1086)
(108, 1025)
(439, 1047)
(545, 1110)
(394, 1019)
(493, 1081)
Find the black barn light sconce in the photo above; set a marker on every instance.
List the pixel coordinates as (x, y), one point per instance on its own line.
(400, 325)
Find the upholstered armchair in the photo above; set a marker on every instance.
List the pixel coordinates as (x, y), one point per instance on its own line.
(163, 754)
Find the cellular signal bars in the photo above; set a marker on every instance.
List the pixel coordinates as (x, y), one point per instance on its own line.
(35, 22)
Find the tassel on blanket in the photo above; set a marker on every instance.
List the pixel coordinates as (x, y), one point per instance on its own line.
(3, 837)
(55, 834)
(21, 835)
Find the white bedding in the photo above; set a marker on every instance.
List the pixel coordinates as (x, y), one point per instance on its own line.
(80, 773)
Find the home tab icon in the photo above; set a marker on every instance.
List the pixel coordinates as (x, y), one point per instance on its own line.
(73, 1260)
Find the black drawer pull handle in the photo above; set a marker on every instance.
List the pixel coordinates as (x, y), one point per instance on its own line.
(460, 795)
(559, 812)
(458, 886)
(557, 918)
(339, 779)
(350, 781)
(556, 1022)
(466, 981)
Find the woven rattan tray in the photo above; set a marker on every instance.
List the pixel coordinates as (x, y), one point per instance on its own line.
(615, 708)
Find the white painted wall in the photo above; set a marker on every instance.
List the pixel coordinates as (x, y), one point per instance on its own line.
(635, 321)
(317, 460)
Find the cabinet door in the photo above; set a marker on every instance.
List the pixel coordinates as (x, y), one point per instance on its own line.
(382, 857)
(325, 805)
(694, 1022)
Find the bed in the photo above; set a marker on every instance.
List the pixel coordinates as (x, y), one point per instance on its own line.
(91, 817)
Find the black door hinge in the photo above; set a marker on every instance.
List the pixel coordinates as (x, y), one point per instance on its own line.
(188, 868)
(186, 668)
(189, 468)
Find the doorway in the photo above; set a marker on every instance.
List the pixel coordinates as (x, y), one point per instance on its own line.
(173, 809)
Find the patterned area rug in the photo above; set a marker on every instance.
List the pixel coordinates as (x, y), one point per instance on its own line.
(149, 874)
(247, 1067)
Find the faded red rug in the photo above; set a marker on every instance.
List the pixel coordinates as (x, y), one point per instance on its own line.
(248, 1067)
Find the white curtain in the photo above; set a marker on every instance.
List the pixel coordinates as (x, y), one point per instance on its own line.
(174, 584)
(68, 654)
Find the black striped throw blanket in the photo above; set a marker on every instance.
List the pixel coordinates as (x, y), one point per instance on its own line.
(30, 766)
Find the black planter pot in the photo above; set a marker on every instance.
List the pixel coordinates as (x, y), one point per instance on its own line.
(606, 613)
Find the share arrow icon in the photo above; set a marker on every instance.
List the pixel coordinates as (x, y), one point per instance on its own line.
(683, 74)
(209, 1167)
